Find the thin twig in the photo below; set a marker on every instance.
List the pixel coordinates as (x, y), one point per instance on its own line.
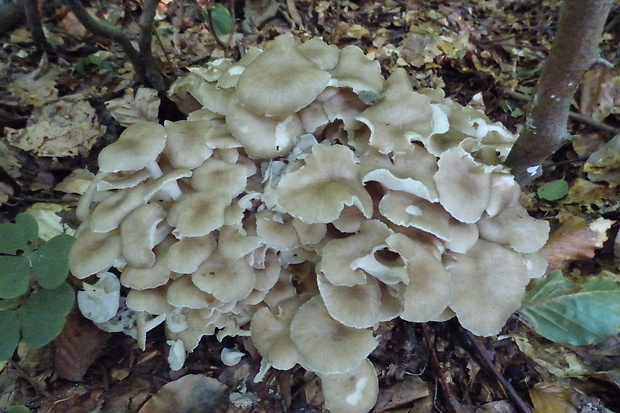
(110, 32)
(488, 364)
(451, 401)
(33, 19)
(578, 117)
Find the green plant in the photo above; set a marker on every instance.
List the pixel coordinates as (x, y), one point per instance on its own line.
(573, 312)
(34, 295)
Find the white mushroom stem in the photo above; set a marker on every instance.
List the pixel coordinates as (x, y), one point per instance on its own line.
(154, 169)
(144, 326)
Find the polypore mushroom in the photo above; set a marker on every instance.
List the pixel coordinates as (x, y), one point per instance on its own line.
(488, 286)
(353, 392)
(328, 181)
(325, 345)
(281, 80)
(138, 146)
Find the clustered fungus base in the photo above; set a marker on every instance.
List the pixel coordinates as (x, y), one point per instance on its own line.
(304, 201)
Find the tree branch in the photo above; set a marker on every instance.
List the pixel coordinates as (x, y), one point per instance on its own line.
(33, 19)
(104, 30)
(575, 49)
(146, 25)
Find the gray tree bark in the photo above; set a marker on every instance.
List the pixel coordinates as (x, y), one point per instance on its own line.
(574, 50)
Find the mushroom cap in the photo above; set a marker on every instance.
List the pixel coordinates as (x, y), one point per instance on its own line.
(319, 190)
(145, 278)
(464, 186)
(358, 306)
(429, 289)
(197, 214)
(135, 148)
(339, 255)
(109, 213)
(271, 334)
(356, 71)
(488, 286)
(182, 293)
(99, 302)
(263, 137)
(138, 234)
(281, 80)
(186, 146)
(94, 252)
(325, 345)
(353, 392)
(228, 280)
(187, 254)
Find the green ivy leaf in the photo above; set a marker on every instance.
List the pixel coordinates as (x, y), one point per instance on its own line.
(9, 333)
(18, 236)
(14, 276)
(578, 313)
(222, 20)
(43, 316)
(50, 262)
(554, 190)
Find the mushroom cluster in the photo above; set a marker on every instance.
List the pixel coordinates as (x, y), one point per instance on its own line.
(305, 201)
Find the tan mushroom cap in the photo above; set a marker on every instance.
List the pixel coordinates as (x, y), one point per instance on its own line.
(397, 120)
(339, 256)
(94, 252)
(464, 186)
(328, 182)
(411, 171)
(228, 280)
(281, 80)
(186, 146)
(429, 289)
(325, 345)
(515, 228)
(353, 392)
(182, 293)
(109, 213)
(145, 278)
(271, 334)
(359, 306)
(324, 55)
(137, 146)
(138, 234)
(489, 283)
(263, 137)
(152, 301)
(198, 214)
(187, 254)
(356, 71)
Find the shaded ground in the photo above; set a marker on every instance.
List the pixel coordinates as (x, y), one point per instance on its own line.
(474, 50)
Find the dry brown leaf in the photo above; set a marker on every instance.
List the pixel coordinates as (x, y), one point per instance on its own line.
(77, 346)
(549, 398)
(404, 392)
(143, 106)
(66, 127)
(576, 239)
(191, 393)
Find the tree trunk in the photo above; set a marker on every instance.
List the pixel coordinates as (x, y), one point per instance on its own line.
(575, 49)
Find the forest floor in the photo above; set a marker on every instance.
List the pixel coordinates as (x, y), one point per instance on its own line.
(54, 121)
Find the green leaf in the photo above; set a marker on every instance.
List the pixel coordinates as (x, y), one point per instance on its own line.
(9, 333)
(17, 236)
(14, 276)
(222, 20)
(50, 263)
(18, 408)
(578, 313)
(43, 316)
(554, 190)
(9, 304)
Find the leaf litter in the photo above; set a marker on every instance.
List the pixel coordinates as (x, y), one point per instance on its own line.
(465, 48)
